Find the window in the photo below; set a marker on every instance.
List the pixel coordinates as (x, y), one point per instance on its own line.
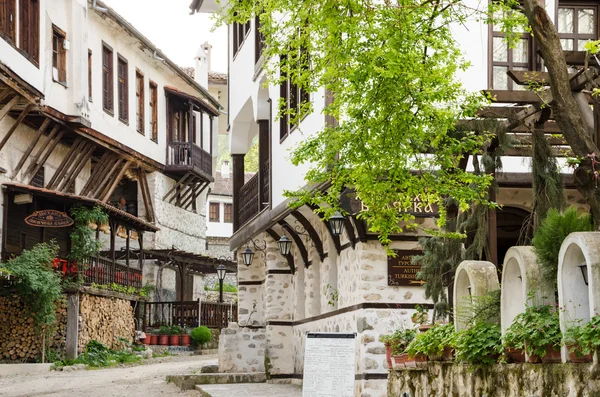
(154, 111)
(107, 79)
(228, 214)
(240, 30)
(504, 59)
(259, 40)
(59, 56)
(90, 75)
(293, 97)
(577, 24)
(139, 96)
(214, 209)
(29, 28)
(7, 19)
(123, 92)
(38, 178)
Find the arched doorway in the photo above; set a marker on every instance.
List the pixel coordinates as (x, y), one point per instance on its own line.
(511, 230)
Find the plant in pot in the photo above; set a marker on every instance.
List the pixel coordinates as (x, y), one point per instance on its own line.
(153, 333)
(435, 344)
(400, 340)
(163, 335)
(537, 331)
(186, 339)
(420, 317)
(480, 343)
(174, 335)
(583, 340)
(201, 335)
(387, 341)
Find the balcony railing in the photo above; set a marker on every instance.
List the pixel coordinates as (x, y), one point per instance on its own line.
(188, 314)
(185, 156)
(249, 200)
(104, 271)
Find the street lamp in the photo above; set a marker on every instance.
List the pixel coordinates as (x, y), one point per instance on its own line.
(285, 245)
(336, 222)
(247, 256)
(584, 273)
(221, 271)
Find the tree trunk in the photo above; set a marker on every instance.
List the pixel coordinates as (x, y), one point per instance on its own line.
(569, 116)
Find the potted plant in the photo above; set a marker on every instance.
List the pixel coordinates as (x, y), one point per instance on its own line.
(153, 337)
(386, 339)
(480, 343)
(583, 340)
(174, 335)
(400, 340)
(201, 335)
(433, 344)
(163, 335)
(537, 332)
(420, 317)
(186, 339)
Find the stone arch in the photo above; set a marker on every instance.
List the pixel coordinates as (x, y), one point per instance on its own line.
(521, 276)
(473, 278)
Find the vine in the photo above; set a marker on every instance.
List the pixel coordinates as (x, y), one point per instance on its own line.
(83, 241)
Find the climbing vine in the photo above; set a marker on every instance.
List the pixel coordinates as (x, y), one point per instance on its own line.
(83, 239)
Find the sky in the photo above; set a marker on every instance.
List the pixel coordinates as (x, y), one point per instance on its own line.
(169, 26)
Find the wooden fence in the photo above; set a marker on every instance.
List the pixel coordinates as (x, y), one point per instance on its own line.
(188, 314)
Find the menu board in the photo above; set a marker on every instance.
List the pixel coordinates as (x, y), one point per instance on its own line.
(329, 365)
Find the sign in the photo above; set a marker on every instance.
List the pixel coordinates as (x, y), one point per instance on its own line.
(329, 365)
(352, 204)
(401, 271)
(49, 218)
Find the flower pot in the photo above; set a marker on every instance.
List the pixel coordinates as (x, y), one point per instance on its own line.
(186, 340)
(163, 340)
(388, 355)
(574, 358)
(153, 339)
(420, 360)
(401, 361)
(424, 328)
(552, 355)
(516, 355)
(174, 340)
(448, 354)
(533, 359)
(146, 340)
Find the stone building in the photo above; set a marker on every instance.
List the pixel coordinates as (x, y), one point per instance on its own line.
(347, 283)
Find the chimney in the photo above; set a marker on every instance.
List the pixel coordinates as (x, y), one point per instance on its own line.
(225, 169)
(202, 64)
(208, 50)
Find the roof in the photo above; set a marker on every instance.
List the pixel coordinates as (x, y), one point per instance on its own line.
(132, 30)
(213, 77)
(199, 101)
(224, 186)
(133, 220)
(195, 262)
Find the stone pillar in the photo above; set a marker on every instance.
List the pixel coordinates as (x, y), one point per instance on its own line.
(251, 286)
(72, 325)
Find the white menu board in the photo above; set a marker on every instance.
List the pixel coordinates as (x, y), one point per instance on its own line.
(329, 365)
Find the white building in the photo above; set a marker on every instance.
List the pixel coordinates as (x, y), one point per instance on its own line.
(330, 283)
(92, 112)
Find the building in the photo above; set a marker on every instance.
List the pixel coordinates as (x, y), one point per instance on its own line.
(92, 113)
(332, 283)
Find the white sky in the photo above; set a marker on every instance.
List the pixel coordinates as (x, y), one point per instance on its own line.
(169, 25)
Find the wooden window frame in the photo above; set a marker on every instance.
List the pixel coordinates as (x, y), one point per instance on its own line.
(293, 96)
(29, 30)
(153, 94)
(259, 42)
(8, 17)
(575, 36)
(140, 96)
(123, 89)
(90, 75)
(108, 93)
(240, 32)
(225, 213)
(211, 206)
(59, 55)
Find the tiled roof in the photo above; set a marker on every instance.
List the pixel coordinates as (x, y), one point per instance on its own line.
(213, 77)
(190, 71)
(224, 186)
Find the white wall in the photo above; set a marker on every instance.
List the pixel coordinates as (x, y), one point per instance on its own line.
(221, 228)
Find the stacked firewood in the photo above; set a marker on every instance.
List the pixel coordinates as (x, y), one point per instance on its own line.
(105, 320)
(21, 339)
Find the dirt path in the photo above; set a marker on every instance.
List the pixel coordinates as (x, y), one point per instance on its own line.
(140, 381)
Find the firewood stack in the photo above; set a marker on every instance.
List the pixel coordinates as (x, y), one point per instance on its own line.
(21, 341)
(105, 320)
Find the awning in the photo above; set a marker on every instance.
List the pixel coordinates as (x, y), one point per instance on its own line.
(201, 103)
(127, 218)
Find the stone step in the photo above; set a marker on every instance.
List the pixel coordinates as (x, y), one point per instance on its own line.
(189, 382)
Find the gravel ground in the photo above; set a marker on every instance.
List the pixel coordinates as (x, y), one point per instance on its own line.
(146, 380)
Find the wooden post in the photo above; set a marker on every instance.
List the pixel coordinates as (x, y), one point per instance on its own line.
(32, 144)
(141, 257)
(127, 255)
(18, 121)
(238, 182)
(492, 226)
(72, 326)
(263, 158)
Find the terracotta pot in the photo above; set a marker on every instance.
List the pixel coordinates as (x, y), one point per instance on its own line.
(186, 340)
(154, 339)
(533, 359)
(448, 354)
(552, 355)
(388, 355)
(146, 340)
(163, 340)
(516, 355)
(174, 340)
(587, 358)
(420, 360)
(424, 328)
(401, 361)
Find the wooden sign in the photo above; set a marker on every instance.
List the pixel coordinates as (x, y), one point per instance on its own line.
(352, 204)
(401, 271)
(49, 218)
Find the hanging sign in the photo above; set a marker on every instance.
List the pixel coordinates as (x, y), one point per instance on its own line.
(401, 271)
(49, 218)
(352, 204)
(329, 365)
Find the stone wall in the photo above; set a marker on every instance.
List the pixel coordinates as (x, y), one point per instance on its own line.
(242, 349)
(105, 320)
(218, 246)
(19, 340)
(508, 380)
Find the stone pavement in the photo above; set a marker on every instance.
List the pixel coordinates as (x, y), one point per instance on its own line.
(251, 390)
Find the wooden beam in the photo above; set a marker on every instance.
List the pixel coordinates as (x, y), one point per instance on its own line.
(29, 149)
(13, 80)
(361, 228)
(500, 112)
(297, 240)
(96, 192)
(5, 93)
(116, 181)
(74, 173)
(350, 231)
(67, 160)
(289, 257)
(146, 196)
(49, 149)
(101, 165)
(199, 192)
(18, 121)
(174, 188)
(184, 199)
(312, 233)
(334, 238)
(7, 108)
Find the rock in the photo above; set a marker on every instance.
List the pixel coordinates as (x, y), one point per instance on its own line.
(209, 369)
(79, 367)
(146, 354)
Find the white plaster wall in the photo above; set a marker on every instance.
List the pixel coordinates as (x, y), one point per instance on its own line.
(221, 228)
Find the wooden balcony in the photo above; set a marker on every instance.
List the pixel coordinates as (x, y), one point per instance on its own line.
(249, 200)
(184, 157)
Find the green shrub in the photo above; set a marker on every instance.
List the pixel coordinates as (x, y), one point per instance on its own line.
(97, 355)
(432, 342)
(226, 287)
(164, 330)
(201, 335)
(550, 235)
(534, 330)
(479, 344)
